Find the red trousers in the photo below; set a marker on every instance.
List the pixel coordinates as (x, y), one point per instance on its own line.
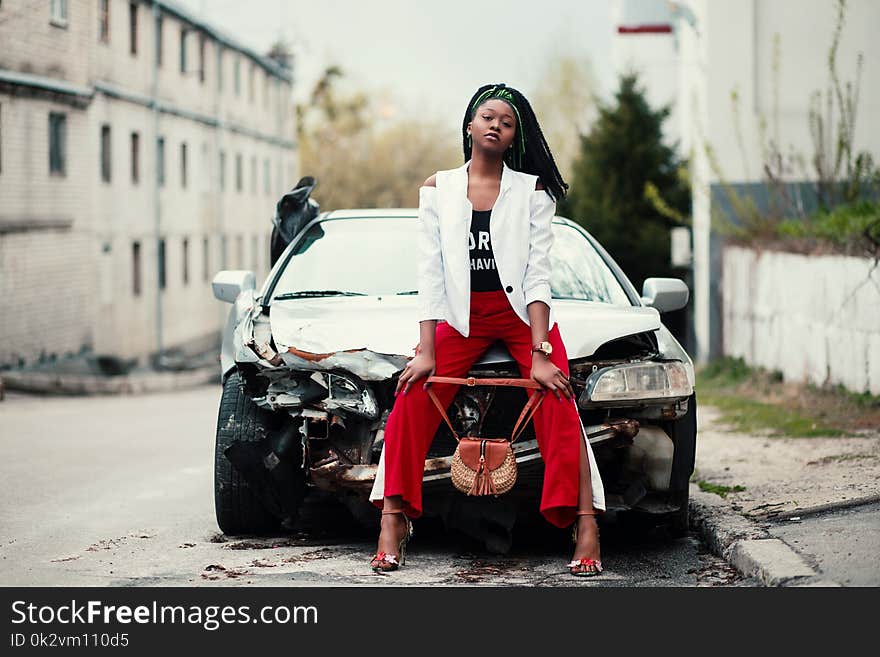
(412, 423)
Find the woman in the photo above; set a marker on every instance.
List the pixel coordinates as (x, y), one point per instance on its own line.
(503, 199)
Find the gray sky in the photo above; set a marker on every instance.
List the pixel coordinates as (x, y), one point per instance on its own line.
(428, 56)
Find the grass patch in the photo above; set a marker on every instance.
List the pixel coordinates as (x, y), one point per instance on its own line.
(860, 399)
(719, 489)
(724, 372)
(756, 400)
(749, 416)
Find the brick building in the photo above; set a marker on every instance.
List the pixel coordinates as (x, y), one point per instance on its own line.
(141, 151)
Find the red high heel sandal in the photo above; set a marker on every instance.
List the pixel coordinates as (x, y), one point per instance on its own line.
(382, 562)
(584, 567)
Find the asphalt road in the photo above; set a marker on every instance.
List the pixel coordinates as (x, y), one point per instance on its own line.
(843, 544)
(118, 491)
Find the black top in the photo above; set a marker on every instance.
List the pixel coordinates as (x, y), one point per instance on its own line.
(484, 274)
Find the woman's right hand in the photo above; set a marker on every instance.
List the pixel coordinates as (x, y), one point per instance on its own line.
(421, 365)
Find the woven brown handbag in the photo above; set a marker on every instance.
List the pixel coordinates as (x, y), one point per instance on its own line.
(487, 466)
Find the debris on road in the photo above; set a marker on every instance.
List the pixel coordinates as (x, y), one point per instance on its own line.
(72, 557)
(262, 564)
(106, 544)
(215, 571)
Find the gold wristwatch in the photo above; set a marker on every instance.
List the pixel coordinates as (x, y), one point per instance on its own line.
(544, 347)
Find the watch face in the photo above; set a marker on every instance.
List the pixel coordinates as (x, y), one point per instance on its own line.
(546, 346)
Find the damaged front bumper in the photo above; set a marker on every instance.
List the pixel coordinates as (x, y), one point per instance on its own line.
(359, 478)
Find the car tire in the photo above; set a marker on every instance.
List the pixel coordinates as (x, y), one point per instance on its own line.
(237, 508)
(679, 521)
(684, 436)
(364, 513)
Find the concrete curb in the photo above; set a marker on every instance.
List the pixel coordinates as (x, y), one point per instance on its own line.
(747, 546)
(130, 384)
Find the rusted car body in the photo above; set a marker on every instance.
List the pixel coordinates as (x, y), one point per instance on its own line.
(315, 353)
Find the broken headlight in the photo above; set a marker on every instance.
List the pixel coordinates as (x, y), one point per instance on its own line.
(346, 394)
(638, 381)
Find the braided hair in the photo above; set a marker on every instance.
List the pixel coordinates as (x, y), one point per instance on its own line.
(529, 151)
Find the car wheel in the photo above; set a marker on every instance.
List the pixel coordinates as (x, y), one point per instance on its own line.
(238, 509)
(679, 521)
(684, 435)
(362, 510)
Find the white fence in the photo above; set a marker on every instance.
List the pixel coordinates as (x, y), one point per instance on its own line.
(814, 318)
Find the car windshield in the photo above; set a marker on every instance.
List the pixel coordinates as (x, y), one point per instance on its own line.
(578, 271)
(378, 255)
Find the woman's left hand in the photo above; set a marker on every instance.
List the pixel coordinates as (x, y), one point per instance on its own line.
(552, 378)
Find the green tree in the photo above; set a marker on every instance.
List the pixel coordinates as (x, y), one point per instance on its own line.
(628, 188)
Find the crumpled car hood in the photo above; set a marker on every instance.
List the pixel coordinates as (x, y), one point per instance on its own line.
(389, 325)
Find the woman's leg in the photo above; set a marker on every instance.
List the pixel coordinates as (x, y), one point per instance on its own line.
(567, 486)
(410, 429)
(587, 546)
(557, 429)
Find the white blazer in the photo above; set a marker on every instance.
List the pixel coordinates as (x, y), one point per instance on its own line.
(521, 238)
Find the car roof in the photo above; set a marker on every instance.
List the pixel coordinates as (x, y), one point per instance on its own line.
(366, 213)
(370, 212)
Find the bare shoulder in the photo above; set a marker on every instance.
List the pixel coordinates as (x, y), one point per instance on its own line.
(431, 181)
(539, 185)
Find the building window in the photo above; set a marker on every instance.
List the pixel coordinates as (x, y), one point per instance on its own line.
(239, 174)
(222, 171)
(251, 81)
(160, 161)
(185, 261)
(205, 168)
(267, 183)
(106, 279)
(183, 34)
(206, 259)
(183, 165)
(57, 143)
(239, 252)
(223, 251)
(105, 153)
(253, 174)
(219, 66)
(255, 256)
(161, 263)
(136, 268)
(159, 40)
(237, 72)
(201, 58)
(58, 12)
(104, 21)
(135, 158)
(132, 28)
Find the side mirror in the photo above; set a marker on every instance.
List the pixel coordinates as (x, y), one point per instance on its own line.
(229, 283)
(665, 294)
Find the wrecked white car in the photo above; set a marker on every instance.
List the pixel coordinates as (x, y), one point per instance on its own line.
(310, 362)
